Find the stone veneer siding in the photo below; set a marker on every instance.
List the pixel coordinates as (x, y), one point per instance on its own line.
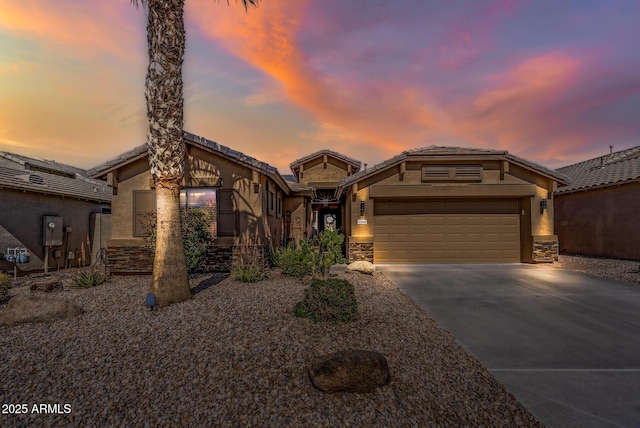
(360, 251)
(130, 260)
(137, 260)
(545, 251)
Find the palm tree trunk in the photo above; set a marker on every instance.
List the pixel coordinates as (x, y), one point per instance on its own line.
(165, 142)
(170, 280)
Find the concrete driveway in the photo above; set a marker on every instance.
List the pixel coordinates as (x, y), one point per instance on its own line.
(566, 344)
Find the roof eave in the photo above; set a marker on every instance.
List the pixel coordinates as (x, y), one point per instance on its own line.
(560, 192)
(347, 182)
(54, 192)
(125, 162)
(561, 178)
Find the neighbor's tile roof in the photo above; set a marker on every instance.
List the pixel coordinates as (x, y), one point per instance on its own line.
(616, 168)
(314, 155)
(443, 151)
(42, 163)
(15, 174)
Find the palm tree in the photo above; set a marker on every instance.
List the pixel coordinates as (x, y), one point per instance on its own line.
(165, 110)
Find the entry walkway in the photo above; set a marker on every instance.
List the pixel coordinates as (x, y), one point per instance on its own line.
(566, 344)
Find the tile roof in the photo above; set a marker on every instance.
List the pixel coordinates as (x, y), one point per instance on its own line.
(115, 161)
(42, 163)
(15, 174)
(443, 151)
(314, 155)
(238, 156)
(194, 140)
(295, 186)
(616, 168)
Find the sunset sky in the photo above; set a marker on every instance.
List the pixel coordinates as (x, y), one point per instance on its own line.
(552, 81)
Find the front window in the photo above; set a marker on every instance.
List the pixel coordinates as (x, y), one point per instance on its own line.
(203, 198)
(198, 197)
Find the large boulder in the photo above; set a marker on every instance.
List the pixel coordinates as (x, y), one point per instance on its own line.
(25, 309)
(362, 267)
(350, 371)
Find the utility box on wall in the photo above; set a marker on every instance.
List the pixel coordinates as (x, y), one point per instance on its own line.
(51, 231)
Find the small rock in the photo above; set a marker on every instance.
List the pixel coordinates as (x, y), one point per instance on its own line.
(47, 287)
(307, 279)
(362, 267)
(24, 309)
(350, 371)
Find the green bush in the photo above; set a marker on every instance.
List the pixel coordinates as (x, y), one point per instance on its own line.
(325, 252)
(249, 273)
(196, 233)
(328, 300)
(5, 285)
(89, 279)
(313, 257)
(293, 261)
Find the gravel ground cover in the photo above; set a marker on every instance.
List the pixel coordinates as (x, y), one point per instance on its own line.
(621, 270)
(235, 355)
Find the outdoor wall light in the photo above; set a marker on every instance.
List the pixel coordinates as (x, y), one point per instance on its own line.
(361, 208)
(543, 205)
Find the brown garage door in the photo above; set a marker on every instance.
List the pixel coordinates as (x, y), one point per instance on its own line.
(446, 237)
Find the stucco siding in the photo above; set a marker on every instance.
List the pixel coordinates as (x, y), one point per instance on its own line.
(315, 171)
(21, 215)
(499, 179)
(600, 222)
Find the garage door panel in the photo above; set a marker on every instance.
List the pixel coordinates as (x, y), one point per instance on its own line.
(442, 238)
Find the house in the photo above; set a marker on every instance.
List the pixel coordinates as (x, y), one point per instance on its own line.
(49, 211)
(597, 214)
(322, 171)
(451, 205)
(250, 202)
(435, 204)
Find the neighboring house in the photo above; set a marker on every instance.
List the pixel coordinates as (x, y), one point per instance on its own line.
(35, 193)
(246, 198)
(597, 214)
(449, 204)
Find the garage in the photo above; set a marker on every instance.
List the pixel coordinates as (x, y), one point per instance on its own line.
(447, 231)
(451, 205)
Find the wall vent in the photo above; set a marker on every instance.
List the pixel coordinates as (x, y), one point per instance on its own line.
(36, 179)
(451, 172)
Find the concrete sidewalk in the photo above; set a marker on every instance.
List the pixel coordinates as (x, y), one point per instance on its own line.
(566, 344)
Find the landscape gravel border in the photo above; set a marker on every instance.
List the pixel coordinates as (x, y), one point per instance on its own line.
(620, 270)
(235, 355)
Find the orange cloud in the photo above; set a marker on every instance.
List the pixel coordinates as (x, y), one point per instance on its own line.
(519, 106)
(530, 83)
(266, 38)
(88, 27)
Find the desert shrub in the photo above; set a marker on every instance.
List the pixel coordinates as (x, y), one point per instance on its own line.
(248, 273)
(196, 233)
(88, 279)
(294, 261)
(5, 285)
(312, 257)
(328, 300)
(326, 250)
(249, 262)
